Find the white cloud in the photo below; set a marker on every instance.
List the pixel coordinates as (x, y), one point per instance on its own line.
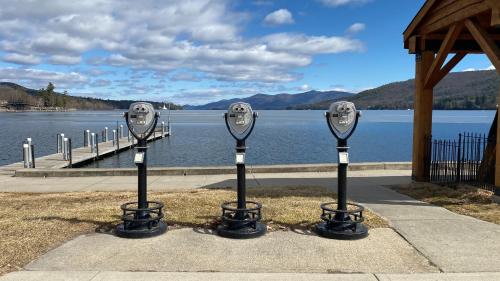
(336, 3)
(63, 59)
(21, 59)
(310, 45)
(36, 78)
(100, 83)
(356, 27)
(491, 67)
(185, 76)
(199, 36)
(305, 88)
(278, 17)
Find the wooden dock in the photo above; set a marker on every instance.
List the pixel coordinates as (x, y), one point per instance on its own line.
(81, 155)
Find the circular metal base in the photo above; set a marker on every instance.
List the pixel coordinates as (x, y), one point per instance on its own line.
(342, 231)
(141, 231)
(245, 232)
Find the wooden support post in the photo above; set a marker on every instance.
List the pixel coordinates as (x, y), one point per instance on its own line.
(422, 119)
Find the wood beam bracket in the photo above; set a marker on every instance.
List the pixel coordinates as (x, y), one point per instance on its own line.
(436, 72)
(486, 43)
(495, 12)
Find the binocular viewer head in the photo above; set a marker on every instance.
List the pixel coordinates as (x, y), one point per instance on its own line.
(342, 118)
(141, 119)
(240, 119)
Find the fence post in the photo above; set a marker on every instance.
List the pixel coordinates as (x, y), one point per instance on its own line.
(459, 160)
(105, 134)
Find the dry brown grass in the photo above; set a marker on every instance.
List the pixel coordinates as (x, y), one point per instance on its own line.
(463, 200)
(31, 224)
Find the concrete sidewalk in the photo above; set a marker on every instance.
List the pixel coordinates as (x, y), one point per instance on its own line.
(221, 276)
(172, 183)
(200, 250)
(435, 239)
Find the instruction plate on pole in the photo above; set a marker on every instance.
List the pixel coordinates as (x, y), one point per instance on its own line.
(139, 158)
(240, 158)
(343, 158)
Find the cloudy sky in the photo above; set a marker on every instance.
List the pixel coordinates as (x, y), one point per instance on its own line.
(197, 51)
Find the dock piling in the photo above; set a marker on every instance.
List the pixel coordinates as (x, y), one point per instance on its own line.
(26, 158)
(70, 154)
(60, 143)
(105, 134)
(65, 149)
(92, 143)
(86, 138)
(114, 137)
(96, 146)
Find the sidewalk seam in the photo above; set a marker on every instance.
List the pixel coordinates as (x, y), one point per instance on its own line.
(93, 277)
(418, 251)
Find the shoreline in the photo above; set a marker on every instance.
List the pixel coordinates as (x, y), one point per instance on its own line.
(208, 170)
(37, 110)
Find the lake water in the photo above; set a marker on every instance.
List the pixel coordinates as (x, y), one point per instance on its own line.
(200, 138)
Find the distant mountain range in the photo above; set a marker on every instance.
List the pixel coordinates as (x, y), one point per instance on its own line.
(14, 93)
(459, 90)
(279, 101)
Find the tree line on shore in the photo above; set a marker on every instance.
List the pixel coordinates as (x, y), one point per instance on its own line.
(25, 98)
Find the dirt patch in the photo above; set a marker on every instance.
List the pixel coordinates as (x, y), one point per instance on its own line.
(464, 200)
(33, 223)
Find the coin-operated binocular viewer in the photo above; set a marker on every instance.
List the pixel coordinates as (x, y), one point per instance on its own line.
(143, 218)
(344, 222)
(241, 218)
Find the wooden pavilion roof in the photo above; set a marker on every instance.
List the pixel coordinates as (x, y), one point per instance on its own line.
(438, 19)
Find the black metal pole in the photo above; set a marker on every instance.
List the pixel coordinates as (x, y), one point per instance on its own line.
(241, 176)
(142, 177)
(342, 178)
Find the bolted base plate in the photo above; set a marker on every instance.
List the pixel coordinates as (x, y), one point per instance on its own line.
(140, 231)
(342, 231)
(245, 232)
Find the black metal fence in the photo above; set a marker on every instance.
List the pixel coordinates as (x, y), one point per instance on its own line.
(459, 161)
